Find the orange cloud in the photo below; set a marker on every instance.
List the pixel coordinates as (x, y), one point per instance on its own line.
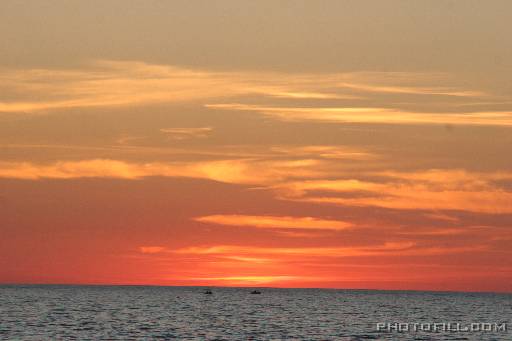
(323, 265)
(248, 259)
(372, 115)
(430, 190)
(121, 83)
(151, 249)
(323, 151)
(186, 133)
(415, 83)
(117, 83)
(388, 247)
(296, 175)
(270, 222)
(414, 90)
(240, 171)
(276, 258)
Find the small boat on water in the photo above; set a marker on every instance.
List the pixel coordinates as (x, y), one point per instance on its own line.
(255, 292)
(208, 292)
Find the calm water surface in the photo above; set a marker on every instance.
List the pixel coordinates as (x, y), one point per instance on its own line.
(185, 313)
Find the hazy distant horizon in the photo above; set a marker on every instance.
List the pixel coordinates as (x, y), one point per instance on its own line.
(251, 287)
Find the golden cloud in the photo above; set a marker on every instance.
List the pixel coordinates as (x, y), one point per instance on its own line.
(239, 171)
(271, 222)
(372, 115)
(400, 248)
(186, 133)
(119, 83)
(429, 190)
(151, 249)
(295, 174)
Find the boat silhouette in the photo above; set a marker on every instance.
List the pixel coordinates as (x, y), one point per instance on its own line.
(255, 292)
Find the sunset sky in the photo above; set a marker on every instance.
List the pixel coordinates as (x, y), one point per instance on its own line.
(341, 144)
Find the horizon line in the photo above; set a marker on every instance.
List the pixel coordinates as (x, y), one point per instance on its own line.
(258, 287)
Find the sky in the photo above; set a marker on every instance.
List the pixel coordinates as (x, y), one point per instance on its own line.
(333, 144)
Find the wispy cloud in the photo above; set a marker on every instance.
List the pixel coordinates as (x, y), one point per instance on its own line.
(187, 133)
(294, 175)
(324, 151)
(244, 251)
(428, 190)
(111, 83)
(414, 90)
(403, 248)
(372, 115)
(273, 222)
(239, 171)
(151, 249)
(119, 83)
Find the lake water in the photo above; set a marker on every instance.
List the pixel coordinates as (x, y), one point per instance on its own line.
(186, 313)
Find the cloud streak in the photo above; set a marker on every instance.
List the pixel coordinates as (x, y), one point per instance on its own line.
(238, 171)
(346, 95)
(396, 248)
(294, 176)
(273, 222)
(187, 133)
(372, 115)
(428, 190)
